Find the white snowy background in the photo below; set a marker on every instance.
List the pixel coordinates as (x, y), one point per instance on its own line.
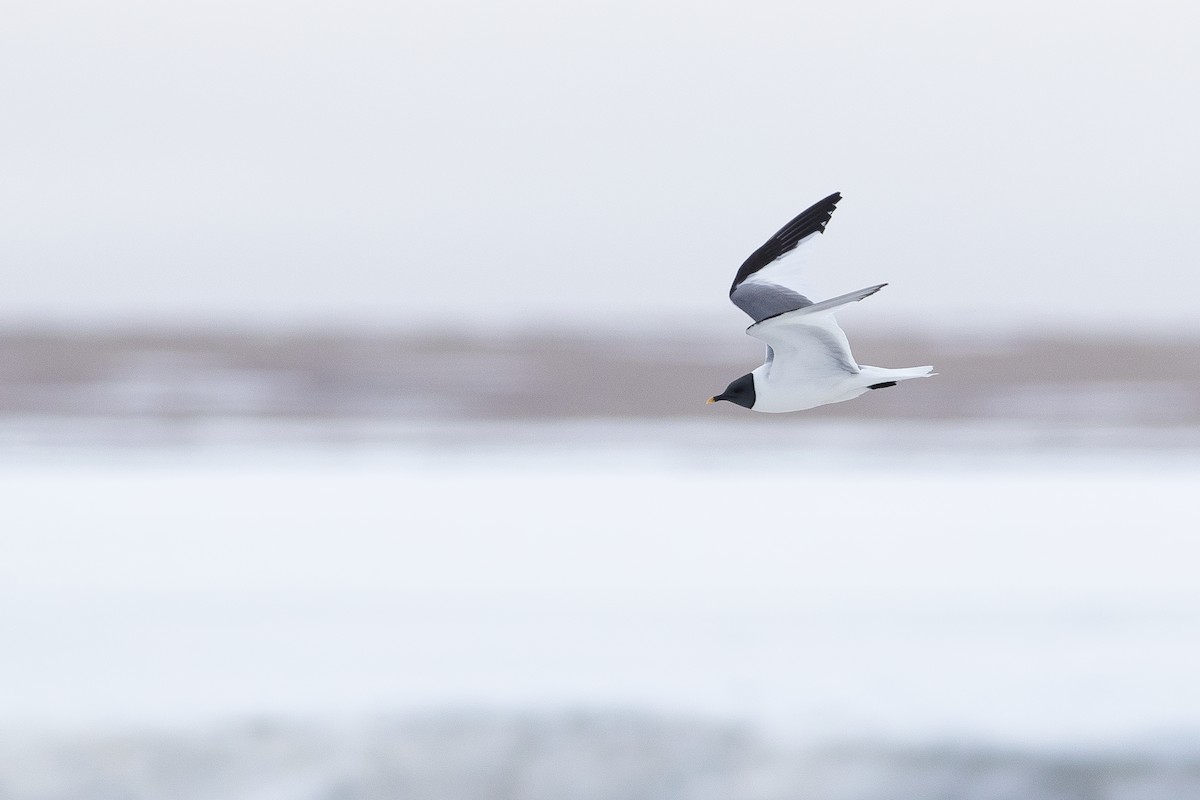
(612, 607)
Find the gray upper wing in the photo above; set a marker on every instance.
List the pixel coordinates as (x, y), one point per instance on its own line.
(762, 300)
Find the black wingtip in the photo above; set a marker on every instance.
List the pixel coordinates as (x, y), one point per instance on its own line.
(811, 220)
(827, 205)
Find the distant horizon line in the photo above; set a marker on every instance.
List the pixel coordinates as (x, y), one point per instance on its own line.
(690, 323)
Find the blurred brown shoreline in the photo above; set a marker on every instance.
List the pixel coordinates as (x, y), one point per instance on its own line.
(187, 374)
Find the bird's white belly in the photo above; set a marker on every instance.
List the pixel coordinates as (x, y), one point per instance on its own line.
(776, 397)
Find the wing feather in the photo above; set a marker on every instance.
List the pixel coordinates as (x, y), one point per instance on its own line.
(761, 289)
(806, 347)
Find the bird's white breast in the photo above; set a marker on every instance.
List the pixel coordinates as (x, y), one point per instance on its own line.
(779, 392)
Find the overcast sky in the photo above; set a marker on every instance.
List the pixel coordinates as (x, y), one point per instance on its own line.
(526, 160)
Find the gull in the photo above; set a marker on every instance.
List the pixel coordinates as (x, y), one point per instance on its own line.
(808, 361)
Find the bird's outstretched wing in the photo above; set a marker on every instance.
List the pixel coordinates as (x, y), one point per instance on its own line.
(764, 286)
(805, 347)
(807, 341)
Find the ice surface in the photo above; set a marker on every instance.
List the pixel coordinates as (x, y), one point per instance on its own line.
(1027, 601)
(584, 756)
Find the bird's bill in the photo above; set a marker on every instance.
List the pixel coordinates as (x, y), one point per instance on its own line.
(710, 401)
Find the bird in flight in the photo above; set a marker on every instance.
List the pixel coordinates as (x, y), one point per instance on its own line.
(808, 361)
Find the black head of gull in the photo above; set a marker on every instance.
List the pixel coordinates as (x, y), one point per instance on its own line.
(740, 392)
